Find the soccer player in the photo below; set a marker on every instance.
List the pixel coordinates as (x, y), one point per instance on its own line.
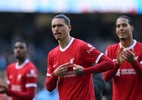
(21, 75)
(71, 64)
(127, 56)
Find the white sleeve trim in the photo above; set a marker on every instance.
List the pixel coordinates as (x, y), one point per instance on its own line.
(48, 74)
(98, 58)
(31, 85)
(106, 52)
(140, 62)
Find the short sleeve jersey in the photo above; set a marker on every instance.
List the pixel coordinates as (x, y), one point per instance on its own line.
(21, 77)
(71, 86)
(127, 85)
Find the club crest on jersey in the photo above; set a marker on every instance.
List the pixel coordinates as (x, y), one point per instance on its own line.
(72, 60)
(19, 77)
(91, 48)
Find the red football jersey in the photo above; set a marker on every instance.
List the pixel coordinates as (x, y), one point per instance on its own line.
(21, 77)
(71, 86)
(127, 85)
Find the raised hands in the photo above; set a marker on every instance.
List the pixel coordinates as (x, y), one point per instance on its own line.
(125, 55)
(119, 57)
(64, 68)
(128, 55)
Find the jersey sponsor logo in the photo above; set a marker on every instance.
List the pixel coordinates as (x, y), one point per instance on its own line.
(125, 72)
(118, 72)
(16, 88)
(32, 73)
(69, 74)
(91, 48)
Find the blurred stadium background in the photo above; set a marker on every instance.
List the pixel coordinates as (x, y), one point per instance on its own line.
(92, 21)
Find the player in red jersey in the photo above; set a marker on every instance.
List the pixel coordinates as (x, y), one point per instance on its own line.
(127, 56)
(71, 64)
(21, 75)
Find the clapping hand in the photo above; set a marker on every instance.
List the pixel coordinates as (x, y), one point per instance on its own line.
(125, 55)
(128, 55)
(120, 59)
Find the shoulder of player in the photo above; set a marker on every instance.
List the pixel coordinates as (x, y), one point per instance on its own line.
(79, 42)
(31, 65)
(139, 43)
(11, 65)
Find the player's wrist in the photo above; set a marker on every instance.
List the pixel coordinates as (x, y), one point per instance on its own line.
(117, 63)
(54, 74)
(134, 60)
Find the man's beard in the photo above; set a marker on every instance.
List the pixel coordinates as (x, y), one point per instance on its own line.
(57, 38)
(19, 57)
(122, 39)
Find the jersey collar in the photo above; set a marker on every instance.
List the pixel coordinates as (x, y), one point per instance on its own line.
(130, 47)
(64, 49)
(22, 65)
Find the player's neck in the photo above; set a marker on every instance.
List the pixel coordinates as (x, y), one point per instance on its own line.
(127, 43)
(64, 43)
(20, 61)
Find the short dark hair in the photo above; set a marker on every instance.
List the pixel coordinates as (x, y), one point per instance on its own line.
(66, 19)
(23, 41)
(126, 17)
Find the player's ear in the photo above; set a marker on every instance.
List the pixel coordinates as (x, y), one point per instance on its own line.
(69, 27)
(132, 27)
